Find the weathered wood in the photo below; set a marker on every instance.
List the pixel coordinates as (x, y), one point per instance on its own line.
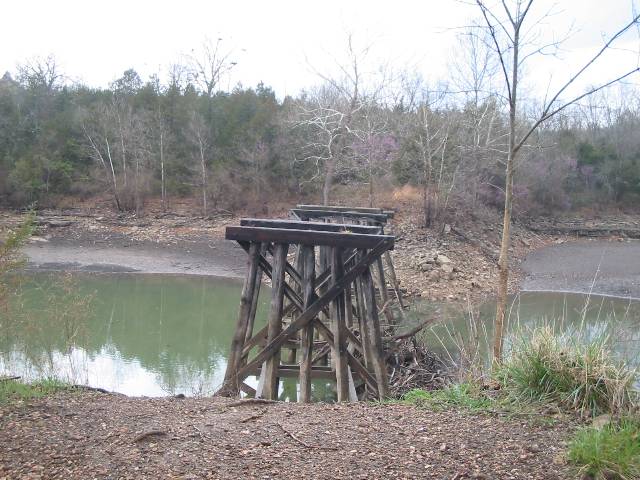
(339, 208)
(231, 384)
(316, 307)
(376, 218)
(354, 363)
(306, 334)
(294, 371)
(394, 281)
(338, 328)
(362, 325)
(384, 294)
(272, 363)
(314, 226)
(389, 213)
(305, 237)
(373, 327)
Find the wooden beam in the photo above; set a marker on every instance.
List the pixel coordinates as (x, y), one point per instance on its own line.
(293, 371)
(338, 327)
(389, 213)
(272, 363)
(314, 226)
(306, 338)
(372, 324)
(231, 385)
(379, 218)
(306, 237)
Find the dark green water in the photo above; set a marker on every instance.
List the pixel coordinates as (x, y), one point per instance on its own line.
(147, 335)
(580, 316)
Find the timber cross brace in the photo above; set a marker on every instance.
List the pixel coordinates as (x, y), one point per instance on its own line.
(323, 309)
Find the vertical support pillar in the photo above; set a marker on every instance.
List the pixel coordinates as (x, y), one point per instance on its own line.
(306, 334)
(274, 326)
(339, 348)
(248, 297)
(375, 336)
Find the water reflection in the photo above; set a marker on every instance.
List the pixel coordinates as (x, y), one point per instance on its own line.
(582, 316)
(145, 335)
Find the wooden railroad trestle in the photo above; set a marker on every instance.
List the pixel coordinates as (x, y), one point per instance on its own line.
(323, 305)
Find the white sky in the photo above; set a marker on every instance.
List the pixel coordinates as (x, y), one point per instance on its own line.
(95, 41)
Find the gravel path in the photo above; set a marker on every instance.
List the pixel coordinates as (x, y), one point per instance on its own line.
(597, 266)
(91, 435)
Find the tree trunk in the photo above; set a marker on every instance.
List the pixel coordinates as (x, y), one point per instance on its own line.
(203, 174)
(328, 180)
(162, 187)
(503, 260)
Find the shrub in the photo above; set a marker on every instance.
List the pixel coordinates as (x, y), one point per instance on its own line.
(576, 373)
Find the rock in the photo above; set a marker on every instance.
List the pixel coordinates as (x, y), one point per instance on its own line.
(442, 259)
(447, 229)
(425, 266)
(446, 268)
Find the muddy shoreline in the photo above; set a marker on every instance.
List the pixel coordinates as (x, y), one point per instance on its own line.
(195, 246)
(212, 257)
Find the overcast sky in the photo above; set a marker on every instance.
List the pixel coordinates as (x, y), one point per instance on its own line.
(95, 40)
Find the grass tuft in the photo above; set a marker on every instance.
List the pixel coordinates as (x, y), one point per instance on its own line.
(543, 366)
(462, 395)
(612, 452)
(13, 390)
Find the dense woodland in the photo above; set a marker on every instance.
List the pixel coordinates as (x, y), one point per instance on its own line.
(182, 136)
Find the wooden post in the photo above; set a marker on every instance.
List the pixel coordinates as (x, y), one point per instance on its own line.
(375, 336)
(394, 281)
(363, 325)
(306, 335)
(271, 364)
(384, 294)
(231, 381)
(338, 329)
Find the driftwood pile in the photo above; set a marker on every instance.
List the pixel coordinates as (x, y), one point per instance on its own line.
(411, 365)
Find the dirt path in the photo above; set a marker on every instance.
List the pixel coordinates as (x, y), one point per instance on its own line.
(598, 266)
(91, 435)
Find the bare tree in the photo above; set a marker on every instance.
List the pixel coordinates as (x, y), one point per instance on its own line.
(210, 64)
(330, 112)
(40, 73)
(99, 149)
(508, 29)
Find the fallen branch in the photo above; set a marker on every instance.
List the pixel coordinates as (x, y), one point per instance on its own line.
(8, 379)
(150, 433)
(253, 417)
(252, 401)
(412, 332)
(303, 443)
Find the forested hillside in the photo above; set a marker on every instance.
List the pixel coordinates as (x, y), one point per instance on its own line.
(184, 136)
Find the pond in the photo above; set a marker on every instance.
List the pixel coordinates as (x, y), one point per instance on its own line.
(469, 333)
(139, 334)
(157, 335)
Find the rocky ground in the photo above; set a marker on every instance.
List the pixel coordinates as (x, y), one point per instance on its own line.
(92, 435)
